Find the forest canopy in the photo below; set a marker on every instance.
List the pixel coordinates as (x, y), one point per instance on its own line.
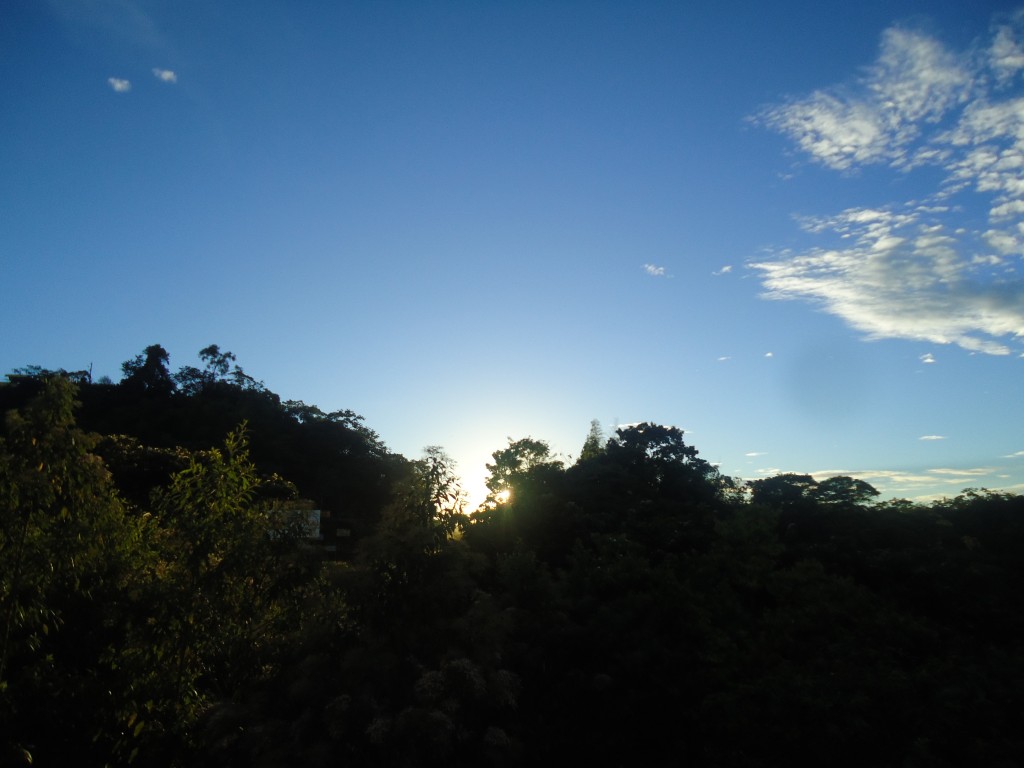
(165, 601)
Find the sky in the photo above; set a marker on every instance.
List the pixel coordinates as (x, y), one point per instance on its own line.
(795, 230)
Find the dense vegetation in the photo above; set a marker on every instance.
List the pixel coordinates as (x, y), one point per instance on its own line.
(162, 604)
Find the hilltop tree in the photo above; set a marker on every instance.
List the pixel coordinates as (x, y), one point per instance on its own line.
(513, 463)
(38, 373)
(658, 455)
(593, 446)
(217, 370)
(148, 372)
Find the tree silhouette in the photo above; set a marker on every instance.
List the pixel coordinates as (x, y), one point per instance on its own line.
(217, 370)
(513, 463)
(148, 371)
(634, 606)
(783, 491)
(844, 490)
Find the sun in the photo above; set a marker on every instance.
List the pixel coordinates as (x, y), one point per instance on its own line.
(502, 497)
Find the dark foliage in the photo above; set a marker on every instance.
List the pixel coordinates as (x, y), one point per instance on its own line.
(162, 605)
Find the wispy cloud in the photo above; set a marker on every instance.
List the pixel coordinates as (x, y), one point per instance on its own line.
(958, 473)
(122, 21)
(753, 454)
(654, 271)
(1006, 52)
(932, 437)
(927, 358)
(909, 270)
(922, 485)
(723, 271)
(1015, 455)
(119, 85)
(915, 481)
(914, 82)
(723, 358)
(165, 75)
(926, 476)
(926, 485)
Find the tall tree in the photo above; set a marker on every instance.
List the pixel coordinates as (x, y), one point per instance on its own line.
(659, 455)
(593, 446)
(783, 491)
(217, 370)
(514, 462)
(844, 490)
(148, 372)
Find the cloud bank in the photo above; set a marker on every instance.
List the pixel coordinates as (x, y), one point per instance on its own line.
(911, 270)
(924, 485)
(926, 481)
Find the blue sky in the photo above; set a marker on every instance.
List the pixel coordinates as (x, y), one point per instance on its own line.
(795, 231)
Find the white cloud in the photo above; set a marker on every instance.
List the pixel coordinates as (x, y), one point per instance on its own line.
(723, 358)
(991, 260)
(1007, 53)
(927, 358)
(960, 473)
(924, 485)
(1015, 455)
(654, 271)
(723, 271)
(914, 80)
(902, 275)
(119, 85)
(912, 270)
(834, 133)
(769, 354)
(755, 453)
(165, 75)
(932, 437)
(1007, 210)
